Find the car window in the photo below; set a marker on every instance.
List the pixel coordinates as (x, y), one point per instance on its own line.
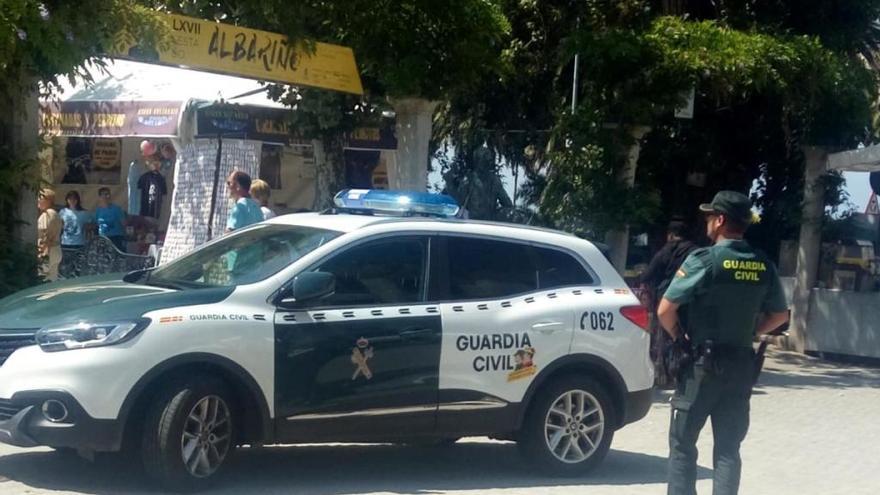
(559, 269)
(243, 257)
(378, 273)
(488, 269)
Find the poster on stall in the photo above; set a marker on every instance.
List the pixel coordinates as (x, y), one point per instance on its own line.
(106, 154)
(193, 188)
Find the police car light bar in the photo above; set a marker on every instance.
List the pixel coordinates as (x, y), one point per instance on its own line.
(406, 203)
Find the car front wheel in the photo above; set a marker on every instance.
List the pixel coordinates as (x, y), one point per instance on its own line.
(189, 433)
(569, 428)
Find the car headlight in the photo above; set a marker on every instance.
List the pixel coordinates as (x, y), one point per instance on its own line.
(83, 335)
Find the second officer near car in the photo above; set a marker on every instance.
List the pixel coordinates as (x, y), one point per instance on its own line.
(727, 293)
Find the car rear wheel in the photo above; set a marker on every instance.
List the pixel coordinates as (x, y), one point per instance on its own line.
(189, 434)
(569, 427)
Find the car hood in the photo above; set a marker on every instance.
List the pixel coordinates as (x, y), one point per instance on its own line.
(101, 298)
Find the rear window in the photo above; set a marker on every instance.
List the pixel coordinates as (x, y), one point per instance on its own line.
(487, 269)
(491, 269)
(559, 269)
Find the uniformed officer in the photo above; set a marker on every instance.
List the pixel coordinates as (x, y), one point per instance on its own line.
(727, 293)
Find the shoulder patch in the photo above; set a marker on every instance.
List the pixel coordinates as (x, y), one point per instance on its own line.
(681, 273)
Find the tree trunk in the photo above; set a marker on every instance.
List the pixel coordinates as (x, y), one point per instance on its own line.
(19, 130)
(618, 239)
(414, 123)
(813, 211)
(330, 163)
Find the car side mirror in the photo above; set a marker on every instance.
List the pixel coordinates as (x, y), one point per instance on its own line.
(306, 287)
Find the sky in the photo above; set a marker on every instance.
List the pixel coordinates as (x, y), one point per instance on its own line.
(858, 188)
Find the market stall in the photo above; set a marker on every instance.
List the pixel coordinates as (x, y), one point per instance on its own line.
(162, 140)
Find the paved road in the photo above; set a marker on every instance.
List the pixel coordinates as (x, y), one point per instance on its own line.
(814, 431)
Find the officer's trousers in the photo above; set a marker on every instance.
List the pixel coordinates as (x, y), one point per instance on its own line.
(721, 393)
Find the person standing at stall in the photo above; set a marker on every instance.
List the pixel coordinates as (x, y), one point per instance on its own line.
(110, 219)
(76, 220)
(245, 211)
(49, 227)
(260, 191)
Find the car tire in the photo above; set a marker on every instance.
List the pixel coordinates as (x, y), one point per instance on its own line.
(569, 427)
(189, 433)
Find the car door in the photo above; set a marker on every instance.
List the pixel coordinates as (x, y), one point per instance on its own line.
(507, 319)
(362, 363)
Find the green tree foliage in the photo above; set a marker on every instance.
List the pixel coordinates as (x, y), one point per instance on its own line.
(770, 77)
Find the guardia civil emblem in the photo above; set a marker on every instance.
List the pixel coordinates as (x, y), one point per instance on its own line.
(361, 353)
(525, 364)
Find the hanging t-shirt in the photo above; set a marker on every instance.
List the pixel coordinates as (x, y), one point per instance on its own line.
(153, 189)
(133, 175)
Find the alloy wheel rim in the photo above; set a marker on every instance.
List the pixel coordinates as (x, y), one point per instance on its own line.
(207, 436)
(574, 426)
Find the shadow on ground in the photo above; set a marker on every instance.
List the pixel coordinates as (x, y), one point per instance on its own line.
(792, 370)
(344, 470)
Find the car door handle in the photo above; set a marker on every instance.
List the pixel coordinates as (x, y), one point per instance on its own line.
(416, 334)
(548, 326)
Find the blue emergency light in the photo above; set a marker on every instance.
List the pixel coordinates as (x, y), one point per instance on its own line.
(404, 203)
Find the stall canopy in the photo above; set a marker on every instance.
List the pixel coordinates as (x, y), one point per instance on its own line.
(866, 159)
(144, 100)
(135, 99)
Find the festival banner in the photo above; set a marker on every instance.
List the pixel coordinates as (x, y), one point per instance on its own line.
(223, 48)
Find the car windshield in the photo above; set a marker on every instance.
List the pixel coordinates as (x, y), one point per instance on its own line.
(242, 258)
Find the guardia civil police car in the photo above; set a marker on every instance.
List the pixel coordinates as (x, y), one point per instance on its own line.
(344, 326)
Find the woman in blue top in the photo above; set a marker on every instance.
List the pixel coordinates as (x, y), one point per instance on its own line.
(75, 219)
(110, 219)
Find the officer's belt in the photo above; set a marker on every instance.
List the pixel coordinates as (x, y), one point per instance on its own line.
(723, 351)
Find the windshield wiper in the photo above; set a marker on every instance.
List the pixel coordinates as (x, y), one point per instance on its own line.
(144, 276)
(132, 277)
(164, 284)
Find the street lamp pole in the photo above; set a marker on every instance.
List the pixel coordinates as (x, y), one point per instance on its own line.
(574, 77)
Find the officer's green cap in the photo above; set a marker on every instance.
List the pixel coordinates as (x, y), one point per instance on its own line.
(731, 203)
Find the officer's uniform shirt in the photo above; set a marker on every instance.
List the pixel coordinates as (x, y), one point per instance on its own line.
(723, 289)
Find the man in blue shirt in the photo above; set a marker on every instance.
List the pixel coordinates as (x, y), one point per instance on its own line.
(245, 211)
(110, 219)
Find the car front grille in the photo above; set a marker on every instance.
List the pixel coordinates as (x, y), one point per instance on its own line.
(9, 343)
(7, 410)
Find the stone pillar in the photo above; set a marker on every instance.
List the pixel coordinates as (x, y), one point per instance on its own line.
(618, 239)
(810, 243)
(414, 121)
